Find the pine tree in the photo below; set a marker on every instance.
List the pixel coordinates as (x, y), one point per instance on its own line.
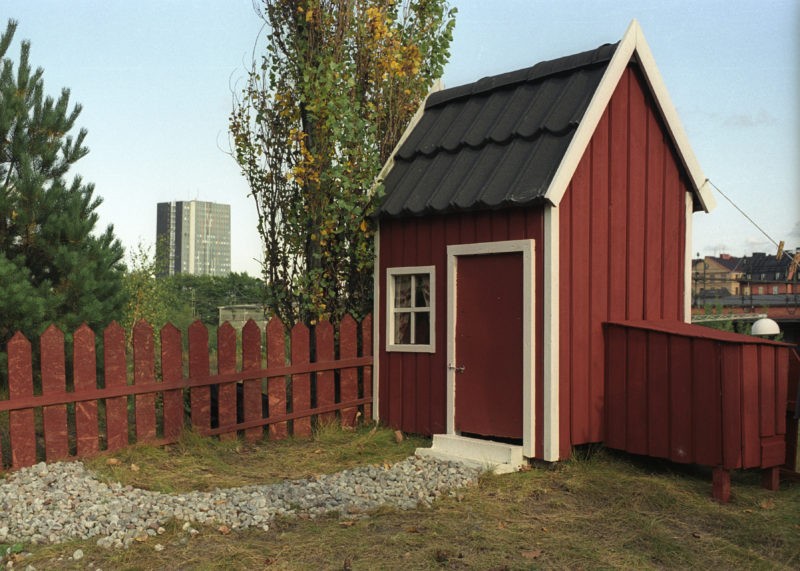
(53, 267)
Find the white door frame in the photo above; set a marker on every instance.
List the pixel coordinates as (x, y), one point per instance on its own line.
(526, 247)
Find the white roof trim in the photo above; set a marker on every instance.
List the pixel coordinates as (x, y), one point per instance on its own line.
(632, 42)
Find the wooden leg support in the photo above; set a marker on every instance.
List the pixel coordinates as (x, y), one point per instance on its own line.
(721, 487)
(771, 478)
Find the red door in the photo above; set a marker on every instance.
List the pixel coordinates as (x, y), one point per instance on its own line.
(488, 345)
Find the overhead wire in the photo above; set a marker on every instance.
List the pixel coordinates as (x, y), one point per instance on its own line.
(743, 213)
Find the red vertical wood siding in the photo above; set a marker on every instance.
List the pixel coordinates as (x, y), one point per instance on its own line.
(276, 389)
(326, 389)
(144, 372)
(22, 430)
(200, 399)
(226, 363)
(252, 389)
(171, 371)
(622, 236)
(116, 375)
(54, 382)
(85, 375)
(412, 389)
(348, 378)
(301, 384)
(715, 405)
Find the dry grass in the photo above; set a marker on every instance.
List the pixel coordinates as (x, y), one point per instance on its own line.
(197, 463)
(599, 509)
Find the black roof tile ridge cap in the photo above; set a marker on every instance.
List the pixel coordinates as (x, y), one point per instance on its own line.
(539, 133)
(523, 75)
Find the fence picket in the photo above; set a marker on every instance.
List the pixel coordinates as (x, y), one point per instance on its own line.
(22, 430)
(199, 397)
(366, 351)
(144, 372)
(251, 361)
(301, 384)
(171, 371)
(84, 360)
(115, 376)
(226, 363)
(326, 387)
(54, 382)
(288, 380)
(348, 380)
(276, 389)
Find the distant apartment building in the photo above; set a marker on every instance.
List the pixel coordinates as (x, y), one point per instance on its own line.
(763, 274)
(194, 237)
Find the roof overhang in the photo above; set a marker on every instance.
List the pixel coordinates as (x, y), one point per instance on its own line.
(632, 45)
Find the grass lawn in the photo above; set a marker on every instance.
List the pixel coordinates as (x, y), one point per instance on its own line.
(600, 509)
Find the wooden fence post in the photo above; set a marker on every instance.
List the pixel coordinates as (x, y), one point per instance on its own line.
(276, 389)
(348, 380)
(144, 372)
(20, 385)
(199, 397)
(252, 392)
(301, 384)
(326, 387)
(54, 382)
(84, 366)
(172, 371)
(116, 375)
(226, 392)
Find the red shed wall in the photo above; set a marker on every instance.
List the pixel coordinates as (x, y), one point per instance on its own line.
(622, 237)
(695, 396)
(412, 389)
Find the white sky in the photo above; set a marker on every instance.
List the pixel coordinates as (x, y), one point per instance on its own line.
(155, 79)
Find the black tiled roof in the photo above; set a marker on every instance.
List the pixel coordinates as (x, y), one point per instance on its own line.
(496, 142)
(760, 263)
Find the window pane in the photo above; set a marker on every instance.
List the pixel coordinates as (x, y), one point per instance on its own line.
(402, 291)
(422, 328)
(402, 328)
(422, 297)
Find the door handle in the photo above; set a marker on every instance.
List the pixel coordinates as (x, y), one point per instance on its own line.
(456, 369)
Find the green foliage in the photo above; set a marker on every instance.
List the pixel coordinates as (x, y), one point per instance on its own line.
(205, 294)
(718, 310)
(320, 114)
(149, 298)
(181, 298)
(54, 267)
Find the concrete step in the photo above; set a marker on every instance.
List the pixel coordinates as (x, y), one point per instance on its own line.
(498, 457)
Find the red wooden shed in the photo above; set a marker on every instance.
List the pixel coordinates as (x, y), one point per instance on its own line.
(521, 213)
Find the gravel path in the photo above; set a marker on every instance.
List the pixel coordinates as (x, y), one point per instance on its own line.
(50, 503)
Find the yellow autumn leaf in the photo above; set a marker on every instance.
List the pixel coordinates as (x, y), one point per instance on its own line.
(363, 226)
(309, 15)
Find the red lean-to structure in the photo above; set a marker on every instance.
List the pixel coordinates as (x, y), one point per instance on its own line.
(522, 214)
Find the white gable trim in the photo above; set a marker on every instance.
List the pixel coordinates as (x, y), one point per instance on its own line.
(552, 376)
(687, 261)
(632, 42)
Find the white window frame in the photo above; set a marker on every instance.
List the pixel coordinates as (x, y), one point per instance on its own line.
(390, 309)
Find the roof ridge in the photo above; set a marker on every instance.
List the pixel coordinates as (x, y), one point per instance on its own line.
(538, 71)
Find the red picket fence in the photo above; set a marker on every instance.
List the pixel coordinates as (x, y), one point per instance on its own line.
(84, 413)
